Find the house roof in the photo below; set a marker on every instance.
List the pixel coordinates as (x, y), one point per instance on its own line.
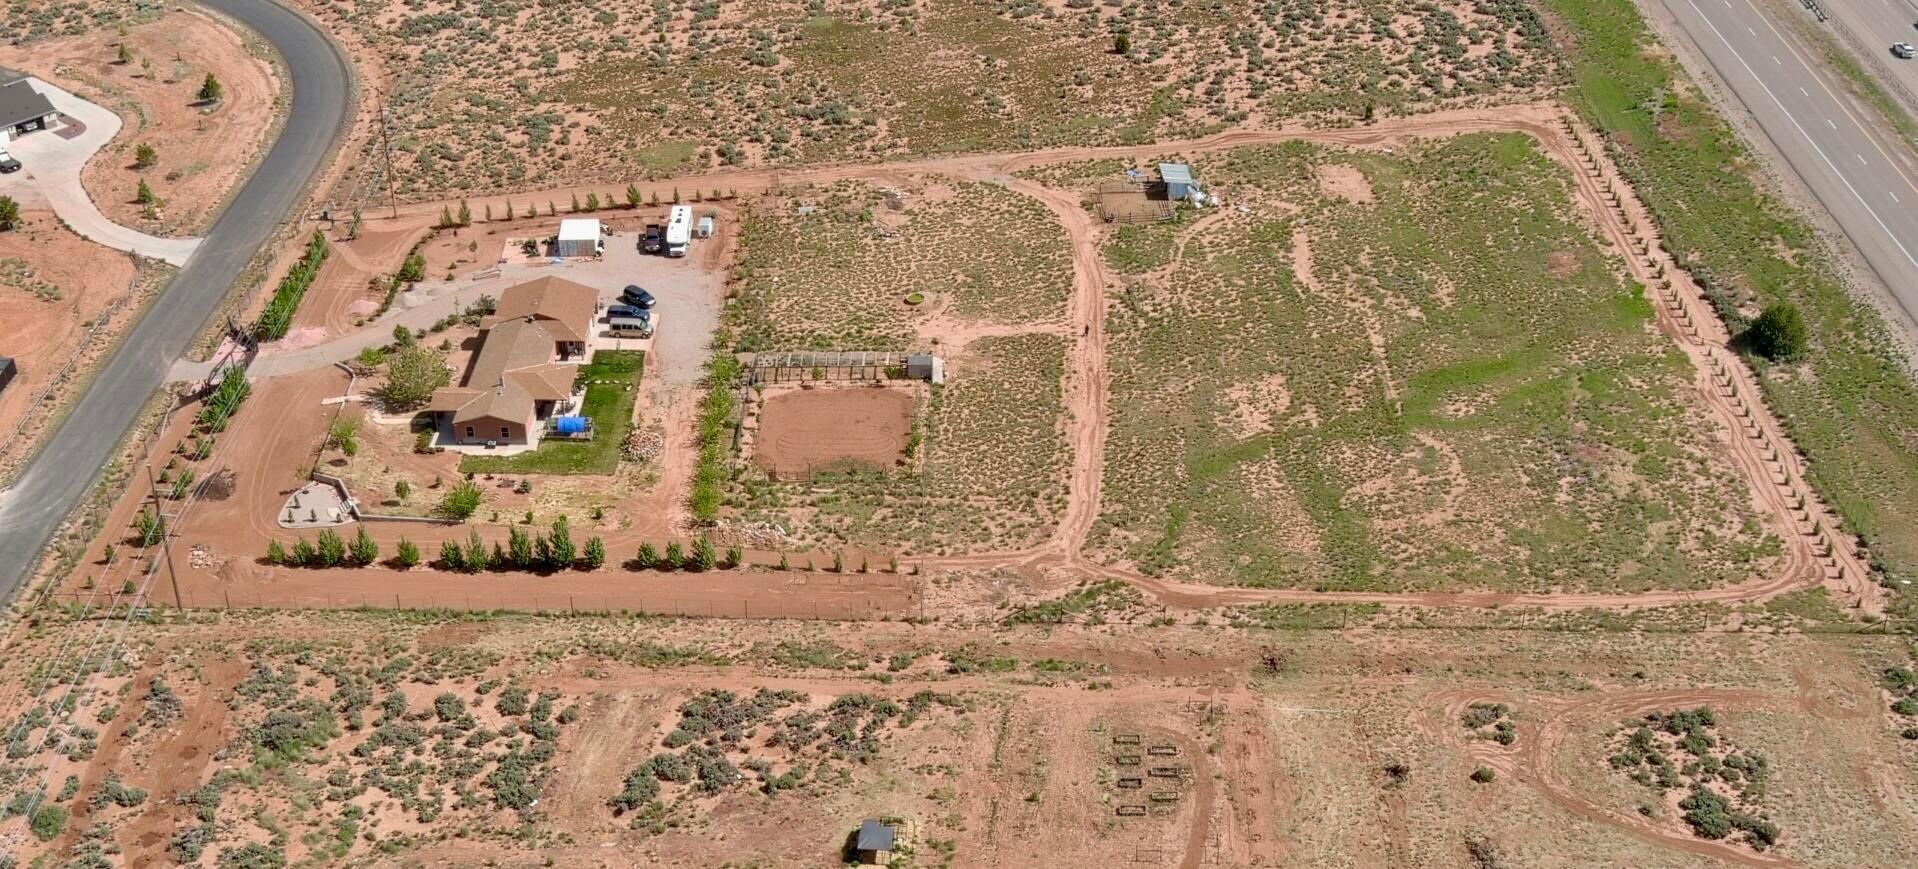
(874, 836)
(1175, 173)
(512, 370)
(565, 308)
(20, 102)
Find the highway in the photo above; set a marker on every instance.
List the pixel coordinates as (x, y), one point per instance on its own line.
(70, 461)
(1837, 151)
(1870, 27)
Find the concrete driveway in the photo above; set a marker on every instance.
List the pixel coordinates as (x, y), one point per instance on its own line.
(51, 176)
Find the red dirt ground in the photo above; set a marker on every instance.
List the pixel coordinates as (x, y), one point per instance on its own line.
(814, 428)
(43, 336)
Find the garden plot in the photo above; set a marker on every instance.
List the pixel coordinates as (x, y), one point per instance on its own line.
(987, 472)
(1447, 386)
(505, 95)
(972, 272)
(805, 430)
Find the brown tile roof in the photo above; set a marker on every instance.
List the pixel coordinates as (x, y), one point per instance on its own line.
(512, 370)
(565, 307)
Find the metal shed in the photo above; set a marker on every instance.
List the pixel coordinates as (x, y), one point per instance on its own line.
(1178, 180)
(578, 237)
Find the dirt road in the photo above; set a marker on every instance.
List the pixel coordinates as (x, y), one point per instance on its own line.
(1816, 552)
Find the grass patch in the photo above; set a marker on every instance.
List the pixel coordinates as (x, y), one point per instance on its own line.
(1447, 388)
(1851, 408)
(612, 386)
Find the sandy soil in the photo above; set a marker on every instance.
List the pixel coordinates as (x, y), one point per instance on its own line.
(1817, 553)
(203, 150)
(803, 429)
(64, 301)
(1244, 748)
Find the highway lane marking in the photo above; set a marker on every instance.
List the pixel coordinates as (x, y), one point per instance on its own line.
(1861, 159)
(1843, 106)
(1828, 120)
(1801, 131)
(1894, 195)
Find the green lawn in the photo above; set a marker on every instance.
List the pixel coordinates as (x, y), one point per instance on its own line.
(613, 383)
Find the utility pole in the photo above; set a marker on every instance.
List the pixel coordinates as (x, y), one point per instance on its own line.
(386, 144)
(166, 538)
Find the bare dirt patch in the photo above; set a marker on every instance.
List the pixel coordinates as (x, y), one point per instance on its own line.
(1341, 181)
(63, 300)
(802, 430)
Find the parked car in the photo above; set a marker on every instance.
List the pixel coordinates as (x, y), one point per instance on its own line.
(616, 312)
(7, 163)
(623, 327)
(655, 237)
(637, 297)
(1903, 50)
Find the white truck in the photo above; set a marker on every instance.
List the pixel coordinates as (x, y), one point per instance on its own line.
(679, 230)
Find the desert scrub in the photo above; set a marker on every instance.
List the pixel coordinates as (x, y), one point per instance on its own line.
(829, 280)
(1851, 407)
(1445, 387)
(1682, 750)
(776, 83)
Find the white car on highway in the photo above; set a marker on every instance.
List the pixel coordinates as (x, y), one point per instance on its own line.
(1903, 50)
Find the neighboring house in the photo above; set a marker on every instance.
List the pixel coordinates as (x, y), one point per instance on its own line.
(23, 109)
(524, 371)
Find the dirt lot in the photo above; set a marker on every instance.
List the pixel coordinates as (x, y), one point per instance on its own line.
(202, 150)
(805, 429)
(552, 739)
(65, 301)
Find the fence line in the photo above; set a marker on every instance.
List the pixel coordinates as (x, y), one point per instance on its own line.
(863, 609)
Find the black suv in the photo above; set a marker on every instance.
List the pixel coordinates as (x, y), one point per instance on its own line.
(637, 297)
(654, 239)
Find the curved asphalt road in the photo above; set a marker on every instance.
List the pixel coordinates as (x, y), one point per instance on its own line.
(70, 461)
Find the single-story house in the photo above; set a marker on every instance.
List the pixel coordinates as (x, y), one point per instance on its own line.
(578, 237)
(24, 109)
(524, 371)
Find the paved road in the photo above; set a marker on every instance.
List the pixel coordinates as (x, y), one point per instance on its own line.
(67, 467)
(1870, 27)
(1838, 153)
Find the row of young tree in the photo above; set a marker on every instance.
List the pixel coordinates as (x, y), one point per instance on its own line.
(278, 315)
(540, 552)
(454, 218)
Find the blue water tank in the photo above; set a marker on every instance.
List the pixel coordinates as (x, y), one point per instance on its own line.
(571, 425)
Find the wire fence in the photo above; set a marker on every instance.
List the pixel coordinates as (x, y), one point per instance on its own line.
(837, 607)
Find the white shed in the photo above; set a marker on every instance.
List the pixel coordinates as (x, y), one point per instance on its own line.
(578, 237)
(1178, 180)
(704, 229)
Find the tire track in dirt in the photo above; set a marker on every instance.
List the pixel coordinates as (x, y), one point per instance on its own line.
(1814, 553)
(1540, 745)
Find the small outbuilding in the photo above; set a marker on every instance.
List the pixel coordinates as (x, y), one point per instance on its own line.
(704, 229)
(24, 109)
(927, 367)
(579, 237)
(7, 371)
(1178, 181)
(875, 843)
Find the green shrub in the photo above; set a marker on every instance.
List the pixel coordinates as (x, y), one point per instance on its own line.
(1779, 333)
(278, 315)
